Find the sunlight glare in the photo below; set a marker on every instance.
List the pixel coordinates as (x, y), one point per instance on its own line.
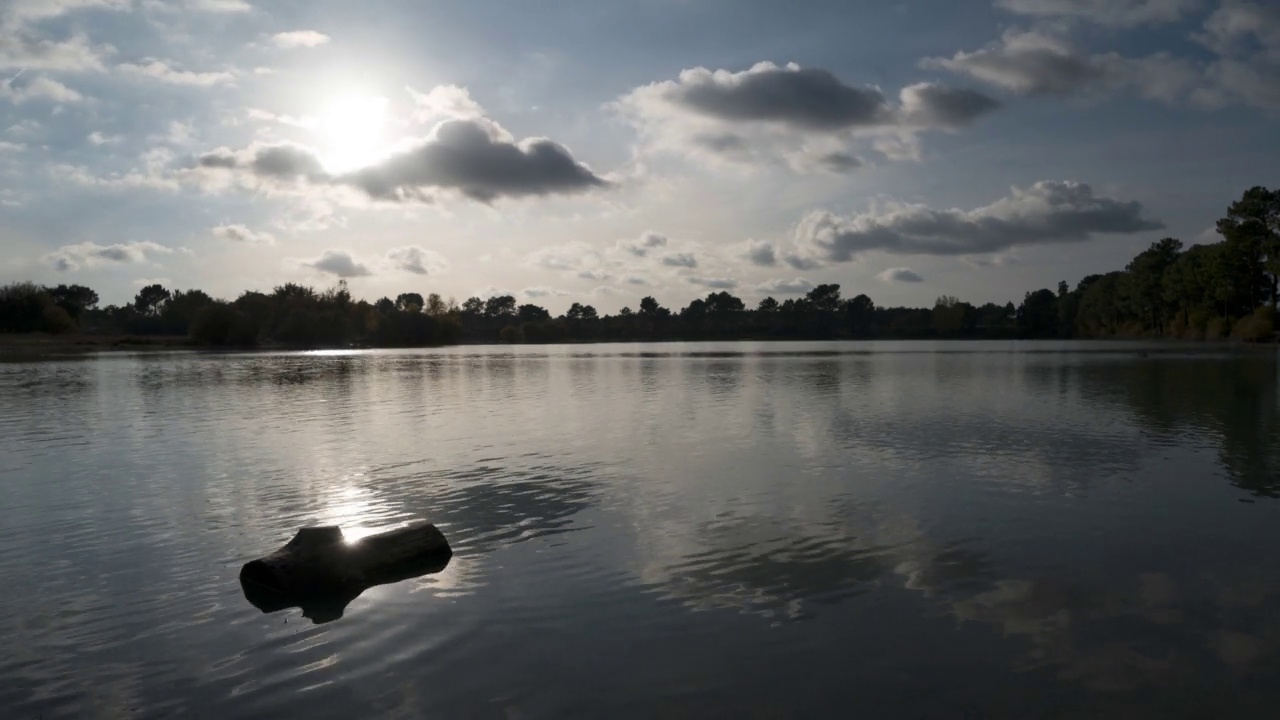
(353, 132)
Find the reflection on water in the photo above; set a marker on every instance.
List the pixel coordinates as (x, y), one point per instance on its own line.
(779, 530)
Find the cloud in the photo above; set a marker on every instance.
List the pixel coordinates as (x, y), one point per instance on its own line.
(242, 234)
(542, 291)
(299, 38)
(680, 259)
(219, 6)
(934, 105)
(900, 274)
(1046, 212)
(90, 254)
(635, 280)
(97, 138)
(762, 253)
(474, 158)
(1026, 62)
(806, 118)
(444, 101)
(337, 262)
(74, 54)
(796, 286)
(805, 98)
(1033, 62)
(648, 241)
(20, 12)
(1235, 22)
(39, 88)
(418, 260)
(714, 283)
(596, 275)
(569, 256)
(164, 72)
(1108, 13)
(800, 262)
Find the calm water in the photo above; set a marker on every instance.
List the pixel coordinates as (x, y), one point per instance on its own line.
(886, 530)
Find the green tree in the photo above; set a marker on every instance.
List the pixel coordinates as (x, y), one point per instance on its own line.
(148, 300)
(825, 298)
(767, 305)
(500, 306)
(410, 302)
(75, 300)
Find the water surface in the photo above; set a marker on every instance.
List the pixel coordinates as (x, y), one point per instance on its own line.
(899, 530)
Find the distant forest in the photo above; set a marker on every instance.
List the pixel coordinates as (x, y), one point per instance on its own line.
(1204, 292)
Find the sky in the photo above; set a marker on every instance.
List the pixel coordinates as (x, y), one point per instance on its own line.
(601, 152)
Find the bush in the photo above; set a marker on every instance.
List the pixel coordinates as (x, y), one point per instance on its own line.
(26, 307)
(1217, 328)
(1258, 327)
(510, 334)
(221, 324)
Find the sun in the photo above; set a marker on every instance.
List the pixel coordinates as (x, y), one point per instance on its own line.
(352, 130)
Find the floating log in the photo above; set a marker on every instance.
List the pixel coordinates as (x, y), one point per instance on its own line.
(321, 572)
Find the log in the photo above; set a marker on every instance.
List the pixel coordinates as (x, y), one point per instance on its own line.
(320, 571)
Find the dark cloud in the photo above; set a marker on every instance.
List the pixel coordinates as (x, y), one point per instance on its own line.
(933, 105)
(839, 162)
(797, 286)
(1047, 212)
(474, 158)
(73, 257)
(722, 142)
(900, 274)
(762, 253)
(682, 259)
(648, 241)
(1109, 13)
(714, 283)
(417, 260)
(809, 98)
(338, 262)
(800, 262)
(635, 280)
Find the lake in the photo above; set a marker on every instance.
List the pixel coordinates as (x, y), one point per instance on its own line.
(896, 530)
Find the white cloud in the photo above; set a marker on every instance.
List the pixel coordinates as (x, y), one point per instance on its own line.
(74, 54)
(219, 6)
(1046, 212)
(164, 72)
(20, 12)
(648, 241)
(40, 88)
(443, 101)
(90, 254)
(714, 283)
(299, 38)
(98, 138)
(242, 234)
(418, 260)
(900, 274)
(1230, 28)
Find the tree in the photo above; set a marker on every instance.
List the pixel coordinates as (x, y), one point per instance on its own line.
(589, 313)
(767, 305)
(651, 308)
(532, 313)
(1251, 229)
(859, 315)
(147, 302)
(1146, 278)
(500, 306)
(825, 298)
(410, 302)
(722, 302)
(75, 300)
(473, 307)
(948, 316)
(435, 306)
(1038, 315)
(625, 312)
(384, 306)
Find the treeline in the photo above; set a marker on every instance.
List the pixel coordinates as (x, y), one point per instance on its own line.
(1211, 291)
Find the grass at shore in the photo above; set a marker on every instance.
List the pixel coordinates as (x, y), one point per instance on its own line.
(26, 345)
